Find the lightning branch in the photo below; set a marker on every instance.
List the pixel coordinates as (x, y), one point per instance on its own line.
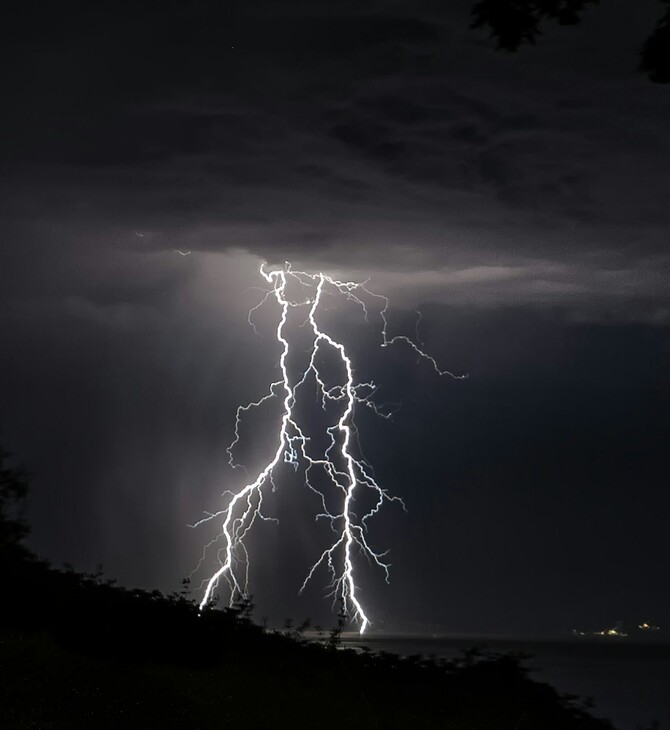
(347, 473)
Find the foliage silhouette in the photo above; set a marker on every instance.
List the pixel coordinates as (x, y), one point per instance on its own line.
(13, 490)
(655, 61)
(513, 23)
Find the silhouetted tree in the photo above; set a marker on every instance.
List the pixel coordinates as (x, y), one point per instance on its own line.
(514, 23)
(656, 51)
(335, 635)
(13, 490)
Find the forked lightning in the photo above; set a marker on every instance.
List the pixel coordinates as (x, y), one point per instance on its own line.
(346, 473)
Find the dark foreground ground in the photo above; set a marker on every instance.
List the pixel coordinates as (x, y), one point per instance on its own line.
(78, 652)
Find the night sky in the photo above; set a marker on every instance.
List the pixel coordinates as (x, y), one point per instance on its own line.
(519, 201)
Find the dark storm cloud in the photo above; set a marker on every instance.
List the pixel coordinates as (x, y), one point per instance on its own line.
(523, 196)
(298, 130)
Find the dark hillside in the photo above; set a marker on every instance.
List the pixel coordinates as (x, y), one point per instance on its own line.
(77, 651)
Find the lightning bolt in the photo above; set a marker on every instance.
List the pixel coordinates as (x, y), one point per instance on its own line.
(346, 473)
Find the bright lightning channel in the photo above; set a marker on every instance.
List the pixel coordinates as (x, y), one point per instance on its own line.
(347, 474)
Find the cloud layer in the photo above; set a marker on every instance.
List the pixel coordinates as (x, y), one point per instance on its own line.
(387, 137)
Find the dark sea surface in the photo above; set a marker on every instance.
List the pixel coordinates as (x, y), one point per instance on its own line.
(628, 680)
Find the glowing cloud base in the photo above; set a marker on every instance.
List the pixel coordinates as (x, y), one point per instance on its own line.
(347, 473)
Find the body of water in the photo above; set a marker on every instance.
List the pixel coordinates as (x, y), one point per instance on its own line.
(628, 681)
